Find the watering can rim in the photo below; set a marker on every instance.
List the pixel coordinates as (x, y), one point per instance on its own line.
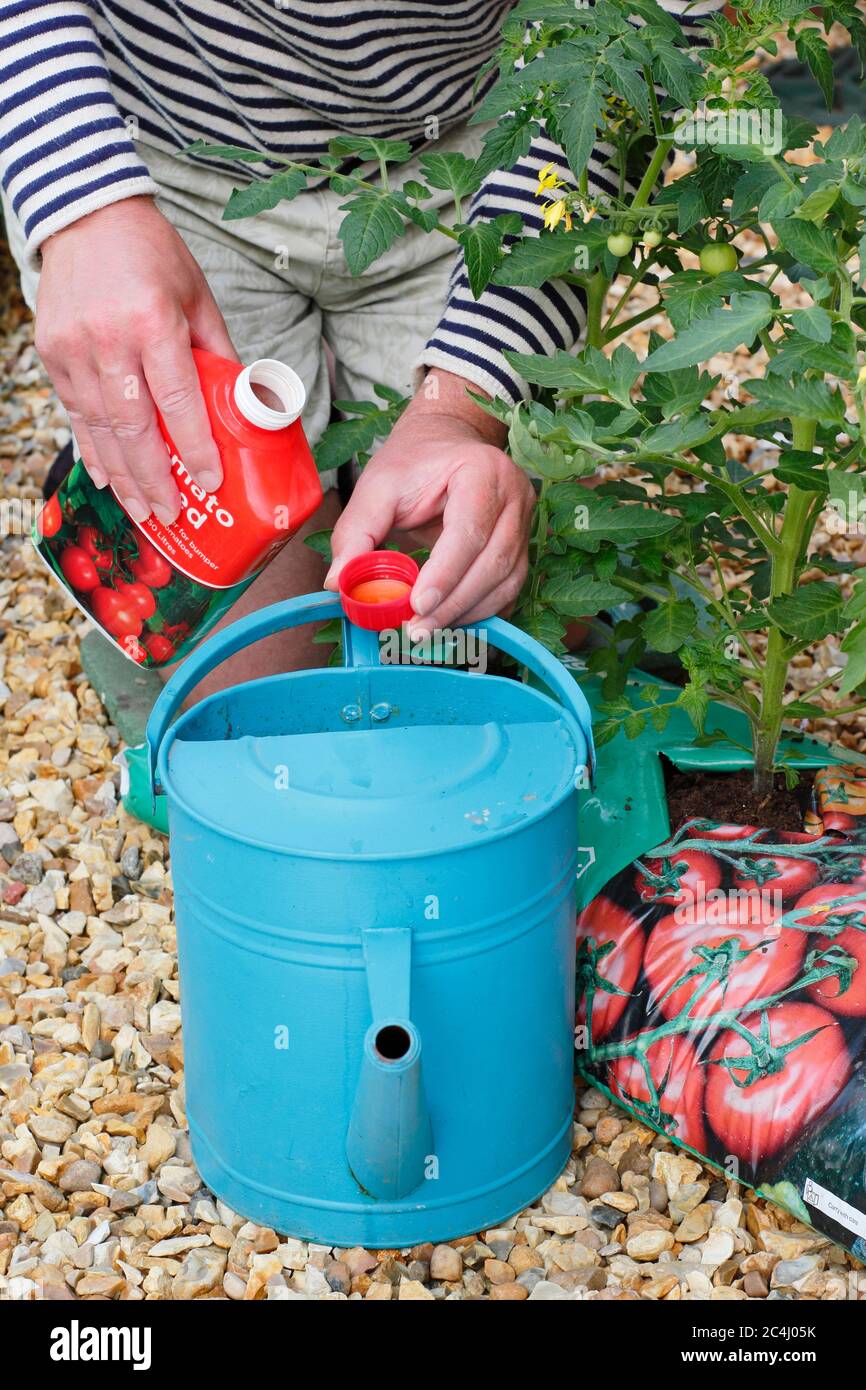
(361, 650)
(576, 736)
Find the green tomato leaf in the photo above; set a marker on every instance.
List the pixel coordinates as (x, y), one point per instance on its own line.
(721, 330)
(814, 323)
(813, 612)
(373, 222)
(264, 194)
(854, 647)
(451, 171)
(581, 117)
(367, 148)
(805, 397)
(535, 260)
(812, 50)
(811, 245)
(581, 595)
(667, 627)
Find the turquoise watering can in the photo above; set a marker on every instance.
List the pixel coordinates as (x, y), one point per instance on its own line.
(374, 873)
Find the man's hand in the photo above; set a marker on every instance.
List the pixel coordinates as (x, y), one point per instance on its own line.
(121, 302)
(442, 467)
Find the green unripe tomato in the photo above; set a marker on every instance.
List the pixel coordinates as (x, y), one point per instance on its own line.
(619, 244)
(653, 237)
(717, 257)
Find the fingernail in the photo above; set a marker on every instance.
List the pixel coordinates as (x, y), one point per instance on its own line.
(167, 515)
(209, 481)
(98, 478)
(417, 632)
(138, 510)
(333, 572)
(426, 601)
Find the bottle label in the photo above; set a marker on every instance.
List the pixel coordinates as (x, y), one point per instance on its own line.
(150, 589)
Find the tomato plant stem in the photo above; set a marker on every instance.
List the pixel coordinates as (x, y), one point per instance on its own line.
(785, 563)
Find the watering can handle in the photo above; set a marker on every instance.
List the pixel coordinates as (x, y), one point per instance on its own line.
(361, 649)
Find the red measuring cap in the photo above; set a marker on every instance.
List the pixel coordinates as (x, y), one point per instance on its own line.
(375, 589)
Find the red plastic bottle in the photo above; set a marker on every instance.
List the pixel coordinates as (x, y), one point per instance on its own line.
(197, 567)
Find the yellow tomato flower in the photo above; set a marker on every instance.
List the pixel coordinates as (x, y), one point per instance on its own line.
(554, 214)
(547, 180)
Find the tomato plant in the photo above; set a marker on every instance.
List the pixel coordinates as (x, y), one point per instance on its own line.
(615, 939)
(724, 957)
(78, 568)
(775, 1074)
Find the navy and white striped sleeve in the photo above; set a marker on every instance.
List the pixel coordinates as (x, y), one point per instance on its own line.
(472, 334)
(64, 148)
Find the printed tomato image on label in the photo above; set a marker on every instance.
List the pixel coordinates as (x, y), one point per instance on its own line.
(156, 590)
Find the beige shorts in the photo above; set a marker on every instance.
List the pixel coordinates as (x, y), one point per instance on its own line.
(282, 284)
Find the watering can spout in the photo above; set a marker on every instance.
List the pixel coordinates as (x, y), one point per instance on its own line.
(389, 1138)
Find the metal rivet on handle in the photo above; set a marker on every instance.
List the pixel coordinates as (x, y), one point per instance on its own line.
(350, 713)
(381, 712)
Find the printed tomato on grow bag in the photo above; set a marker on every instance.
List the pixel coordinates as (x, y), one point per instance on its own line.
(676, 1102)
(610, 956)
(841, 917)
(724, 958)
(769, 1079)
(778, 873)
(684, 877)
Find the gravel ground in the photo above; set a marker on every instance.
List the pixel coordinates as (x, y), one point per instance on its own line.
(99, 1197)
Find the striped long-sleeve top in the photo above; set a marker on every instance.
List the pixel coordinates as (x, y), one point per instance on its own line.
(285, 77)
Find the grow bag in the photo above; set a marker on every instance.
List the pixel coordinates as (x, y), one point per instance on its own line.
(722, 989)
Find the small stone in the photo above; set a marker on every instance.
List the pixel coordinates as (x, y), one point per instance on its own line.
(51, 1129)
(446, 1264)
(79, 1176)
(339, 1276)
(413, 1289)
(608, 1129)
(361, 1261)
(27, 868)
(53, 795)
(648, 1245)
(606, 1217)
(510, 1293)
(788, 1272)
(522, 1258)
(130, 862)
(755, 1285)
(545, 1290)
(658, 1195)
(696, 1225)
(202, 1270)
(498, 1271)
(600, 1177)
(718, 1247)
(620, 1201)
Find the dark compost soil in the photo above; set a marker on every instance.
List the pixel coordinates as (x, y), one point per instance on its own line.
(730, 799)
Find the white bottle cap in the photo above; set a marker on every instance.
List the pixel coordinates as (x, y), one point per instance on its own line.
(274, 376)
